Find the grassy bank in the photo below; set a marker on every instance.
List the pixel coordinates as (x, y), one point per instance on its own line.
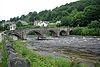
(86, 31)
(44, 61)
(4, 59)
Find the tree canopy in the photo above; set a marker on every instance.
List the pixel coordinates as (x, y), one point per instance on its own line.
(79, 13)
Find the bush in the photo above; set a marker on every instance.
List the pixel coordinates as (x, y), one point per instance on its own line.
(77, 31)
(1, 28)
(19, 24)
(4, 58)
(94, 24)
(86, 31)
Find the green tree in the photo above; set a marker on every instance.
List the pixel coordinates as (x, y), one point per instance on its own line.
(6, 27)
(79, 13)
(92, 13)
(14, 19)
(19, 24)
(32, 16)
(94, 24)
(23, 17)
(79, 19)
(66, 21)
(1, 28)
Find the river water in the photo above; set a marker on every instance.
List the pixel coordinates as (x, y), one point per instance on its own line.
(86, 48)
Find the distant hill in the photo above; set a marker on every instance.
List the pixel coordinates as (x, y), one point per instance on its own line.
(79, 13)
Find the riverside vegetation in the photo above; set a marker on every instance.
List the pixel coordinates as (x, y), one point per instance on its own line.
(4, 58)
(85, 31)
(37, 60)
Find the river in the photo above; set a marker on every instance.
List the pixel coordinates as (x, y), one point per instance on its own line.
(86, 48)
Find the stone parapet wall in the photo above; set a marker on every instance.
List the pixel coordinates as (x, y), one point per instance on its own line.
(13, 59)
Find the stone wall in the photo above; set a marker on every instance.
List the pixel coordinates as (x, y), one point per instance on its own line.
(13, 58)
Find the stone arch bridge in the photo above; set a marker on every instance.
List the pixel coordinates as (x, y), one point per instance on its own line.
(41, 32)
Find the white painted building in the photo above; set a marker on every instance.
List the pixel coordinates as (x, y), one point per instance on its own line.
(13, 27)
(41, 23)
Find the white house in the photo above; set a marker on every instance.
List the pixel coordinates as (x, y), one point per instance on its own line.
(12, 26)
(41, 23)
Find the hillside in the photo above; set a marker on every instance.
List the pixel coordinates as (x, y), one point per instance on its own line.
(79, 13)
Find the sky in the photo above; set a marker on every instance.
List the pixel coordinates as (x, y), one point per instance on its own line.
(14, 8)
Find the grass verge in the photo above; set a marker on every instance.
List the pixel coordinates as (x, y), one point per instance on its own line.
(37, 60)
(4, 59)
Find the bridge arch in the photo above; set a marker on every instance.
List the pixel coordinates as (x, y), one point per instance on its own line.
(16, 35)
(71, 32)
(33, 32)
(41, 32)
(52, 33)
(63, 33)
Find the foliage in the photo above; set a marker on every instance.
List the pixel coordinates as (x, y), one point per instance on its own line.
(14, 19)
(97, 64)
(82, 13)
(92, 13)
(1, 28)
(79, 13)
(79, 19)
(94, 24)
(19, 24)
(77, 31)
(4, 58)
(6, 27)
(86, 31)
(37, 60)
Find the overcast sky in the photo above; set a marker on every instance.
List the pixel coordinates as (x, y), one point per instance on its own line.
(13, 8)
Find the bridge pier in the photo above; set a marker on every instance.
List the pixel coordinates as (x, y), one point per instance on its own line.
(58, 34)
(68, 33)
